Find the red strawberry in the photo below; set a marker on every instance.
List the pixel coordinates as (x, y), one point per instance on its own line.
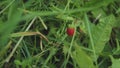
(70, 31)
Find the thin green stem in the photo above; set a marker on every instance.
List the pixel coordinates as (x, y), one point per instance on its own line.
(69, 51)
(44, 25)
(7, 6)
(67, 6)
(91, 39)
(49, 13)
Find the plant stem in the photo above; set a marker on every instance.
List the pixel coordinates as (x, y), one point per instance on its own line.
(91, 39)
(69, 51)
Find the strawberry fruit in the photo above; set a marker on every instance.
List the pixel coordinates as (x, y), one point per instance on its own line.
(70, 31)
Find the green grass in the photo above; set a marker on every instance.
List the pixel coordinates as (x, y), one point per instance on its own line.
(33, 34)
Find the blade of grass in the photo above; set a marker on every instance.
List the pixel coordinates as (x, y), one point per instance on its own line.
(67, 6)
(48, 13)
(42, 22)
(13, 51)
(2, 52)
(19, 34)
(91, 38)
(7, 6)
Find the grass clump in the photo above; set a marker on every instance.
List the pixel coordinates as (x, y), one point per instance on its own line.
(33, 34)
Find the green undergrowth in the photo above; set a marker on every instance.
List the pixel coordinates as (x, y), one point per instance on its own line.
(33, 34)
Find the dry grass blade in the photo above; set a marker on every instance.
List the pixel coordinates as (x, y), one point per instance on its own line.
(13, 51)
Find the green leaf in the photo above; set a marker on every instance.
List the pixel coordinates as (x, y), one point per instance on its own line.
(10, 24)
(115, 62)
(117, 24)
(17, 62)
(101, 33)
(98, 3)
(98, 13)
(81, 58)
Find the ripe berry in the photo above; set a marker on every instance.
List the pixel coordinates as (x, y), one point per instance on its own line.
(70, 31)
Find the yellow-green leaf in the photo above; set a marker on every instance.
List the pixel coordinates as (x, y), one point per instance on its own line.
(81, 58)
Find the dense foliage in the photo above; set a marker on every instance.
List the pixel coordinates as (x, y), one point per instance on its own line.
(33, 34)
